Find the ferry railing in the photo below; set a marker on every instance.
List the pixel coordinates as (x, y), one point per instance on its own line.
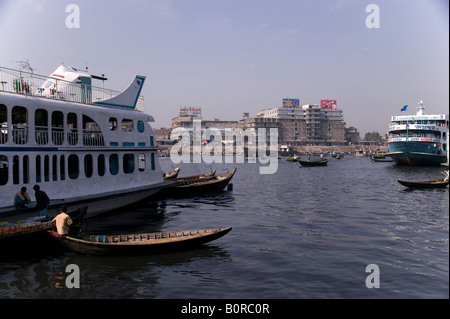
(3, 133)
(57, 135)
(93, 138)
(27, 83)
(41, 135)
(20, 134)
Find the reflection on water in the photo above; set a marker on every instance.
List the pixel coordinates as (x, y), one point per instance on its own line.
(300, 233)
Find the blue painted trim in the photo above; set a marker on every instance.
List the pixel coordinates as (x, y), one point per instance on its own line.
(128, 144)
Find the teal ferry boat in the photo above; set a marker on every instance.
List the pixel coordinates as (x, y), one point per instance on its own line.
(419, 140)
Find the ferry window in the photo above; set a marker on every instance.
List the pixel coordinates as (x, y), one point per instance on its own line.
(19, 125)
(62, 168)
(112, 123)
(46, 168)
(73, 167)
(55, 168)
(151, 141)
(41, 126)
(128, 163)
(88, 166)
(3, 170)
(127, 125)
(140, 126)
(38, 169)
(113, 164)
(3, 125)
(141, 162)
(152, 157)
(101, 165)
(26, 169)
(16, 169)
(72, 131)
(92, 135)
(57, 128)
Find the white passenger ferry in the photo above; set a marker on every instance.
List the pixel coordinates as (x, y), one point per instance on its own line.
(83, 145)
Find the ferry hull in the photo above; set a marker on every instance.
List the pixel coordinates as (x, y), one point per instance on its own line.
(97, 205)
(416, 154)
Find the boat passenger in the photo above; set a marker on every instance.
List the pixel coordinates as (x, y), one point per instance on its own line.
(42, 200)
(62, 221)
(22, 198)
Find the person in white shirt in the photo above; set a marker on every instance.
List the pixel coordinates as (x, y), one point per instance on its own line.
(62, 221)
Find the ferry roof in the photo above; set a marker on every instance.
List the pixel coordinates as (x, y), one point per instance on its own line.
(419, 117)
(70, 85)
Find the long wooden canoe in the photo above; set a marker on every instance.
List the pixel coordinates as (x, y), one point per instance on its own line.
(199, 186)
(140, 243)
(189, 178)
(438, 183)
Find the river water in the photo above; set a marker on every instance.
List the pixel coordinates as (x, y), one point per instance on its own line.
(301, 233)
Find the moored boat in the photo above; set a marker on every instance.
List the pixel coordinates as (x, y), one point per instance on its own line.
(419, 140)
(83, 145)
(32, 232)
(200, 185)
(161, 242)
(193, 177)
(379, 157)
(172, 174)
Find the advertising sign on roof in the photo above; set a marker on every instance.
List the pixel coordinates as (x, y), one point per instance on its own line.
(328, 104)
(291, 103)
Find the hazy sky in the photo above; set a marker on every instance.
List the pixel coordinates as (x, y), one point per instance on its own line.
(235, 56)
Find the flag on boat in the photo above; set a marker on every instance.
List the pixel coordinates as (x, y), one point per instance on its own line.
(404, 108)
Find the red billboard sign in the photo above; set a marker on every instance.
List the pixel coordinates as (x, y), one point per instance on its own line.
(328, 104)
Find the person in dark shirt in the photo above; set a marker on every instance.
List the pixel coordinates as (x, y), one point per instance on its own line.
(42, 201)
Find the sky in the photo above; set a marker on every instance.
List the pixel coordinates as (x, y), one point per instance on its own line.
(242, 56)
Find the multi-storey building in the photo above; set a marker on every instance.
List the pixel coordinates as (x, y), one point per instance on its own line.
(308, 124)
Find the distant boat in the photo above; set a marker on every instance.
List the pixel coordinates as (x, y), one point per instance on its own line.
(323, 162)
(130, 244)
(418, 139)
(360, 153)
(379, 157)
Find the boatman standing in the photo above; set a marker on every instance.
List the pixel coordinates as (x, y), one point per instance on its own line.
(62, 221)
(42, 200)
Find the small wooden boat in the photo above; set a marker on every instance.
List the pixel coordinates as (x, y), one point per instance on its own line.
(204, 175)
(323, 162)
(438, 183)
(201, 185)
(380, 157)
(33, 232)
(382, 160)
(140, 243)
(171, 174)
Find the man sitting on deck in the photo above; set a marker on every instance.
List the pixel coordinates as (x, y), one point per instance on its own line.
(21, 198)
